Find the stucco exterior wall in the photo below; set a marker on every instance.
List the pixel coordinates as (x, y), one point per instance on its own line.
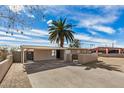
(43, 55)
(86, 58)
(75, 51)
(62, 54)
(68, 58)
(4, 66)
(17, 56)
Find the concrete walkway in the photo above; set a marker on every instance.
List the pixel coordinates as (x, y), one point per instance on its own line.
(16, 78)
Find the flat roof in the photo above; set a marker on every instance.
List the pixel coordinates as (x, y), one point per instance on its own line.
(65, 48)
(50, 48)
(40, 47)
(108, 48)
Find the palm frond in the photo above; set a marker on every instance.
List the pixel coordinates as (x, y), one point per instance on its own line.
(59, 31)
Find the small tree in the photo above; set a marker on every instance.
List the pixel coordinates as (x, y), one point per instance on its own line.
(75, 44)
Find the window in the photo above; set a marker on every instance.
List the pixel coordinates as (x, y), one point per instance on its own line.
(53, 53)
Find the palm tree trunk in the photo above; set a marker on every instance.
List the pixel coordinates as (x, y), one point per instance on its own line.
(62, 42)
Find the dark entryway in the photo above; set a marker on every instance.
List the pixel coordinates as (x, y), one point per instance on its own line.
(57, 53)
(30, 55)
(113, 51)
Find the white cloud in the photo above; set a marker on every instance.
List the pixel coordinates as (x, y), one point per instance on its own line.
(100, 21)
(93, 32)
(26, 38)
(30, 15)
(41, 32)
(21, 43)
(89, 20)
(7, 38)
(97, 23)
(49, 22)
(17, 35)
(82, 37)
(102, 28)
(16, 8)
(21, 36)
(36, 32)
(40, 41)
(30, 32)
(92, 39)
(56, 10)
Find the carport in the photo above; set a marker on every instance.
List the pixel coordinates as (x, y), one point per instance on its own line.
(38, 53)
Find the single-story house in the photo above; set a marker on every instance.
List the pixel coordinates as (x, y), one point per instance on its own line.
(38, 53)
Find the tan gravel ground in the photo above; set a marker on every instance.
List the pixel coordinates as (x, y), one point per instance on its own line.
(16, 77)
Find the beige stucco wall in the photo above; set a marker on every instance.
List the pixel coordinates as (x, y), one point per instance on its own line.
(62, 54)
(43, 55)
(80, 51)
(75, 51)
(17, 56)
(86, 58)
(4, 66)
(68, 57)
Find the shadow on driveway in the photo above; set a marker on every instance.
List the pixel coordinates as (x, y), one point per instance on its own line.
(102, 65)
(35, 67)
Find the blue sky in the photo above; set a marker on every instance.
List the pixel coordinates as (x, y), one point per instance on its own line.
(95, 25)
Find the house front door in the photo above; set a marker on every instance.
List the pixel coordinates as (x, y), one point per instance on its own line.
(57, 53)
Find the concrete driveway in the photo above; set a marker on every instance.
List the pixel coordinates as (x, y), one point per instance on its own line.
(107, 73)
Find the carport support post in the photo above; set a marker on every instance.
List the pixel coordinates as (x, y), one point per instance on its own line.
(106, 50)
(97, 50)
(22, 55)
(119, 51)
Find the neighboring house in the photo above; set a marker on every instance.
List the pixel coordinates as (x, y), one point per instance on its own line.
(109, 51)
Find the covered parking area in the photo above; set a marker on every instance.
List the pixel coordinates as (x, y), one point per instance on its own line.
(38, 53)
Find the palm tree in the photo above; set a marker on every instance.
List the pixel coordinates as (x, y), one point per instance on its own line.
(59, 31)
(75, 44)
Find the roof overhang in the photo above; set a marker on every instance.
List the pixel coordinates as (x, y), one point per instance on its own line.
(50, 48)
(41, 47)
